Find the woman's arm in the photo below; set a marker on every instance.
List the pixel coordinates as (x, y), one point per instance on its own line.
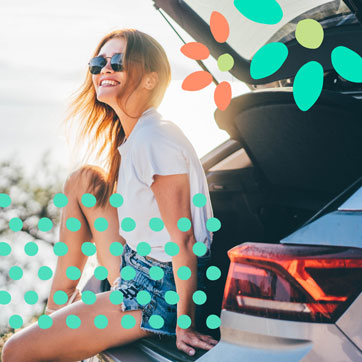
(172, 193)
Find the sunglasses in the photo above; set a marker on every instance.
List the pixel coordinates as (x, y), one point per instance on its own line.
(97, 63)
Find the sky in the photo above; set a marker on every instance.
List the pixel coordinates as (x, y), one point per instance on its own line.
(45, 46)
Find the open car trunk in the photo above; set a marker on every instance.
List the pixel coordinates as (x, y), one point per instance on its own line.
(300, 162)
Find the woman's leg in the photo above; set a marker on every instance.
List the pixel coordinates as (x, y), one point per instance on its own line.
(75, 186)
(59, 343)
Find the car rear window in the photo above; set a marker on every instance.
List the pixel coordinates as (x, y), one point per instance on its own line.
(247, 37)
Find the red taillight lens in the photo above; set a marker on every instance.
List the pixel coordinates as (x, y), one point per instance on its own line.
(301, 283)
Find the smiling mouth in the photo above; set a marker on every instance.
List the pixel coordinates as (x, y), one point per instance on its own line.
(108, 83)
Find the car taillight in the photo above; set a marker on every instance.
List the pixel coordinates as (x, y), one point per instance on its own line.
(303, 283)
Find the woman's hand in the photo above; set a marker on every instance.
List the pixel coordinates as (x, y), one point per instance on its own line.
(188, 338)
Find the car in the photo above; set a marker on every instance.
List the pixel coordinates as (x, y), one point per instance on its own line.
(287, 188)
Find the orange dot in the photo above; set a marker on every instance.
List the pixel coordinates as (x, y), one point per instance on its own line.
(197, 80)
(195, 50)
(219, 27)
(222, 95)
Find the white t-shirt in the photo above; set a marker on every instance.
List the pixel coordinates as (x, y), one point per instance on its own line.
(157, 146)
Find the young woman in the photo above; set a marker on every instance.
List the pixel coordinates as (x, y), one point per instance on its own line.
(159, 220)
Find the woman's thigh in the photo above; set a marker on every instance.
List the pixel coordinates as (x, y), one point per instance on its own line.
(61, 343)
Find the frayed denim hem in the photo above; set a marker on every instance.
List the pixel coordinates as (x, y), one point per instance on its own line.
(158, 333)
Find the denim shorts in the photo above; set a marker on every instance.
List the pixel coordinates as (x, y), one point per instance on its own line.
(157, 289)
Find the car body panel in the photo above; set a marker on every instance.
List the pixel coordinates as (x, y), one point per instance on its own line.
(350, 324)
(261, 339)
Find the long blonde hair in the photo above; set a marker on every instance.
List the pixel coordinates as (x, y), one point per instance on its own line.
(143, 55)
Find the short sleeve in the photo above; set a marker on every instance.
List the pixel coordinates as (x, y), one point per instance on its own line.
(158, 156)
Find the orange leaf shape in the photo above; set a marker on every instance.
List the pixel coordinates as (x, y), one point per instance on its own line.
(222, 95)
(195, 50)
(197, 80)
(219, 27)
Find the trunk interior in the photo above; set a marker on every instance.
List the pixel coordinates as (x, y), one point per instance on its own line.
(300, 161)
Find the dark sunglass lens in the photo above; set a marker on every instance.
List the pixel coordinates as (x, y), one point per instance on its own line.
(117, 62)
(96, 64)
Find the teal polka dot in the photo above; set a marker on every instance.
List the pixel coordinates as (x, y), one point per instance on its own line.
(116, 248)
(184, 321)
(60, 248)
(31, 297)
(5, 200)
(128, 224)
(5, 249)
(116, 200)
(171, 297)
(213, 272)
(213, 321)
(45, 321)
(73, 321)
(128, 273)
(199, 248)
(128, 321)
(101, 224)
(15, 321)
(184, 224)
(116, 297)
(73, 224)
(199, 297)
(60, 200)
(45, 273)
(156, 272)
(100, 272)
(172, 248)
(45, 224)
(143, 297)
(156, 321)
(213, 224)
(88, 248)
(31, 248)
(184, 272)
(88, 297)
(15, 224)
(199, 200)
(101, 321)
(73, 273)
(60, 297)
(15, 272)
(88, 200)
(143, 248)
(156, 224)
(5, 297)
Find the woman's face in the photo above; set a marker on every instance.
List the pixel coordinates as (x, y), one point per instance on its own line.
(107, 93)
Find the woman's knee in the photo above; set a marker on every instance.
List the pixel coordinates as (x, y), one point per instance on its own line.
(83, 177)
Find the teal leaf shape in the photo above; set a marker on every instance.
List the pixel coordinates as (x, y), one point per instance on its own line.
(347, 63)
(261, 11)
(307, 85)
(268, 59)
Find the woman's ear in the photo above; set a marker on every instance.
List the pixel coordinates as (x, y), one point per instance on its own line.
(151, 80)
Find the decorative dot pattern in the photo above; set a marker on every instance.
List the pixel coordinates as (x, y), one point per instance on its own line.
(172, 248)
(60, 200)
(116, 200)
(116, 248)
(73, 224)
(60, 248)
(156, 224)
(31, 248)
(88, 200)
(101, 224)
(15, 273)
(45, 224)
(143, 297)
(88, 248)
